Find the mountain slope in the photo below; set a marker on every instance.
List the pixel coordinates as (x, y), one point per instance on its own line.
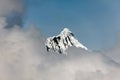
(63, 41)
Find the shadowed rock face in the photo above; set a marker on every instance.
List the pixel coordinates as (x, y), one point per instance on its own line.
(62, 42)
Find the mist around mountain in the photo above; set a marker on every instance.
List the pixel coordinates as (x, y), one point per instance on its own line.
(23, 56)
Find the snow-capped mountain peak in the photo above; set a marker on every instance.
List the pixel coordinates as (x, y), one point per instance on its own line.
(63, 41)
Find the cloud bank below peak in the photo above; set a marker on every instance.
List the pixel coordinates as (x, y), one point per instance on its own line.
(23, 57)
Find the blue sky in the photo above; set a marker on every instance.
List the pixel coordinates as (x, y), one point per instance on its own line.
(94, 22)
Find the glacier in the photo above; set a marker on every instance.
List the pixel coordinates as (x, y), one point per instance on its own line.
(62, 42)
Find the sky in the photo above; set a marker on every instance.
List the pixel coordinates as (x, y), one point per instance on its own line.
(94, 22)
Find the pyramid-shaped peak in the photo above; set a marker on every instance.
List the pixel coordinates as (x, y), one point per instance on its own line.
(63, 41)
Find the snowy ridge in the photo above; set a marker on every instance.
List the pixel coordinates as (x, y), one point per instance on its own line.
(63, 41)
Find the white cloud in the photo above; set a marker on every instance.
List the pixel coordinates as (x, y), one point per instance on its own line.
(23, 57)
(8, 6)
(2, 22)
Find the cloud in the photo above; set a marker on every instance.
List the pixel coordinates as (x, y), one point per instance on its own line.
(13, 11)
(23, 57)
(2, 22)
(114, 51)
(8, 6)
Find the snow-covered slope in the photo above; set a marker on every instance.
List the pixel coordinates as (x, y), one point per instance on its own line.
(63, 41)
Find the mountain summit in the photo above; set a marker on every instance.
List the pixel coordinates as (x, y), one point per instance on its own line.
(63, 41)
